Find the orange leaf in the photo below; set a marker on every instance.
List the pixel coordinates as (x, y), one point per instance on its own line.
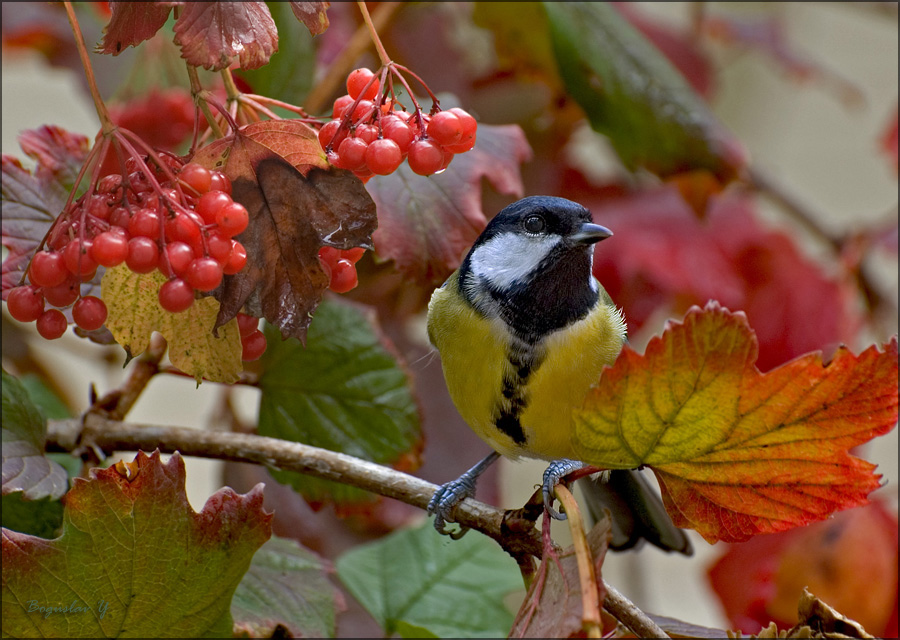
(737, 452)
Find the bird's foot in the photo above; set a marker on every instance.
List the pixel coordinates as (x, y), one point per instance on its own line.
(557, 470)
(445, 500)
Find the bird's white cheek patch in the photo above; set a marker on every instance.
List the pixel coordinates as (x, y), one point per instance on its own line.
(509, 257)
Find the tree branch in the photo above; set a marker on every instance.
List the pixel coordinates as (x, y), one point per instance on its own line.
(516, 535)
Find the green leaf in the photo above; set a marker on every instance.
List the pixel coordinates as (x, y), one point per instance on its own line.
(287, 585)
(346, 391)
(41, 518)
(416, 579)
(289, 74)
(134, 560)
(633, 95)
(25, 468)
(50, 404)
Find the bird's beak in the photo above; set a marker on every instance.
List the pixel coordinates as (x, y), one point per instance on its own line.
(589, 233)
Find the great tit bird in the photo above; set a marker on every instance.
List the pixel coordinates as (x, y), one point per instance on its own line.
(523, 330)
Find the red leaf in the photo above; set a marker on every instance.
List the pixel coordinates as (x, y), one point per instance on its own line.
(663, 257)
(426, 224)
(213, 34)
(59, 153)
(132, 23)
(739, 453)
(297, 204)
(312, 14)
(850, 561)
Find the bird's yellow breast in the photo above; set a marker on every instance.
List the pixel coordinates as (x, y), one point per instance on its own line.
(475, 358)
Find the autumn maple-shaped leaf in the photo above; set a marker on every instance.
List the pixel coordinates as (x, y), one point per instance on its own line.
(297, 203)
(31, 201)
(739, 453)
(312, 14)
(134, 558)
(215, 34)
(426, 224)
(134, 313)
(131, 23)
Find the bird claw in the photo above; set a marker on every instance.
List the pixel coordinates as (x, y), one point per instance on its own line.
(555, 471)
(445, 500)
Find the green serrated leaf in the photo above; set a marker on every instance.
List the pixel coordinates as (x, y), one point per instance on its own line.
(50, 404)
(418, 579)
(25, 468)
(286, 585)
(134, 560)
(289, 74)
(41, 518)
(633, 95)
(344, 392)
(135, 313)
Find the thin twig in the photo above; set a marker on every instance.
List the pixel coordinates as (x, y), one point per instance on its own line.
(341, 66)
(626, 612)
(116, 404)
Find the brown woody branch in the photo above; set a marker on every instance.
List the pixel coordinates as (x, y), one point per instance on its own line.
(516, 536)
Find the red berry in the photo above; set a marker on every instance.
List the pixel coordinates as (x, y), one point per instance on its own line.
(78, 258)
(236, 260)
(247, 324)
(109, 248)
(352, 153)
(47, 269)
(343, 276)
(110, 183)
(357, 81)
(467, 122)
(196, 177)
(52, 324)
(367, 132)
(354, 254)
(120, 217)
(204, 274)
(176, 295)
(397, 130)
(329, 255)
(179, 255)
(327, 134)
(460, 147)
(425, 157)
(143, 255)
(184, 228)
(144, 223)
(25, 303)
(340, 105)
(219, 246)
(62, 295)
(383, 156)
(445, 128)
(211, 203)
(363, 111)
(89, 313)
(232, 219)
(220, 182)
(253, 346)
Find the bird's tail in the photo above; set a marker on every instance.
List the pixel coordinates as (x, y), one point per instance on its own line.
(637, 511)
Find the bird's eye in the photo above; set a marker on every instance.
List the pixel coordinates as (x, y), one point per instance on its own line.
(534, 224)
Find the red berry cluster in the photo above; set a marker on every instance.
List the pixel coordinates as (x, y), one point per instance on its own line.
(184, 230)
(369, 134)
(340, 266)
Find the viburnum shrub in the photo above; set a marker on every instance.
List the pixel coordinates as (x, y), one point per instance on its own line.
(268, 205)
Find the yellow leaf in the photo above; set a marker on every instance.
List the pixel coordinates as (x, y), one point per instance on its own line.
(135, 313)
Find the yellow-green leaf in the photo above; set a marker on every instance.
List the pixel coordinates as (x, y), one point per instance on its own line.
(135, 313)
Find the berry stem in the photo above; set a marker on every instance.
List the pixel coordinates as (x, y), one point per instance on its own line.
(382, 54)
(200, 99)
(106, 122)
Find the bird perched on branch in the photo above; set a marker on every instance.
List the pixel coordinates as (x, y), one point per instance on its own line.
(524, 330)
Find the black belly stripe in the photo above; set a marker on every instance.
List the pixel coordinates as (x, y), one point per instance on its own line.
(524, 361)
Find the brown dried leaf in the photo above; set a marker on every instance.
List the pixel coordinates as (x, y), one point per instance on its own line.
(297, 204)
(312, 14)
(213, 34)
(131, 23)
